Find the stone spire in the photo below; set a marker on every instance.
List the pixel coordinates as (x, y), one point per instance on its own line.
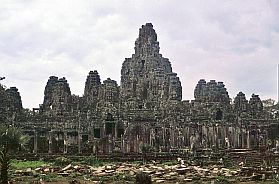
(256, 105)
(147, 78)
(92, 83)
(57, 99)
(240, 102)
(92, 89)
(147, 44)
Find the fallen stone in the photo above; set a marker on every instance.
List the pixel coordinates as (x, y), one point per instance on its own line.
(160, 181)
(181, 170)
(67, 167)
(63, 174)
(109, 171)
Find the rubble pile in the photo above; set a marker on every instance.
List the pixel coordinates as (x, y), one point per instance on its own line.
(160, 172)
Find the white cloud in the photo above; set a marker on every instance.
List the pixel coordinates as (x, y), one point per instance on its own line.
(232, 41)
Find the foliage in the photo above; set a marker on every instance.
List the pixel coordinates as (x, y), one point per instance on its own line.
(11, 140)
(170, 162)
(62, 161)
(18, 164)
(146, 148)
(92, 160)
(228, 163)
(4, 167)
(222, 179)
(268, 102)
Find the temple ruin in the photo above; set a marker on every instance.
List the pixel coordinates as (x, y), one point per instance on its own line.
(146, 108)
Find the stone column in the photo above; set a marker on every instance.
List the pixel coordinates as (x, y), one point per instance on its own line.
(136, 147)
(214, 135)
(65, 150)
(79, 142)
(50, 142)
(248, 139)
(237, 131)
(128, 146)
(115, 130)
(35, 142)
(242, 139)
(164, 141)
(172, 137)
(122, 144)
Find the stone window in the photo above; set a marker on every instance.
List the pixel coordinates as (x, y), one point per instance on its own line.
(219, 115)
(97, 133)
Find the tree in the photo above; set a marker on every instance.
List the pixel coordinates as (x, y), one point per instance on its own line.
(11, 140)
(268, 102)
(270, 108)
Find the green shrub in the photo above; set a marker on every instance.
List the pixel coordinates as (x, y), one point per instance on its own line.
(18, 164)
(62, 161)
(93, 161)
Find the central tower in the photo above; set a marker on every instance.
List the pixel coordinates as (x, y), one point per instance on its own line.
(147, 79)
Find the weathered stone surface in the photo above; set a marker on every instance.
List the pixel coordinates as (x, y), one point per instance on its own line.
(15, 99)
(147, 79)
(57, 99)
(211, 91)
(256, 105)
(92, 88)
(240, 103)
(10, 104)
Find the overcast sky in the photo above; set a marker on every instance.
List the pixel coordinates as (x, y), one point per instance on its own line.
(235, 41)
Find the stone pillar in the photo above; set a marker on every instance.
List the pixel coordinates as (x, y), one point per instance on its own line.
(35, 142)
(49, 142)
(115, 130)
(94, 149)
(164, 141)
(128, 146)
(214, 136)
(79, 142)
(136, 147)
(150, 137)
(237, 131)
(122, 144)
(65, 150)
(172, 137)
(248, 139)
(242, 138)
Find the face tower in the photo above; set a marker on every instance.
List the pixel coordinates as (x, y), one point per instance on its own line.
(147, 80)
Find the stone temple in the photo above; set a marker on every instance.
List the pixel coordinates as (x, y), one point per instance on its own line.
(146, 108)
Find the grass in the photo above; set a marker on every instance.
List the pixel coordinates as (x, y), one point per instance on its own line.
(93, 161)
(51, 177)
(170, 162)
(222, 179)
(19, 164)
